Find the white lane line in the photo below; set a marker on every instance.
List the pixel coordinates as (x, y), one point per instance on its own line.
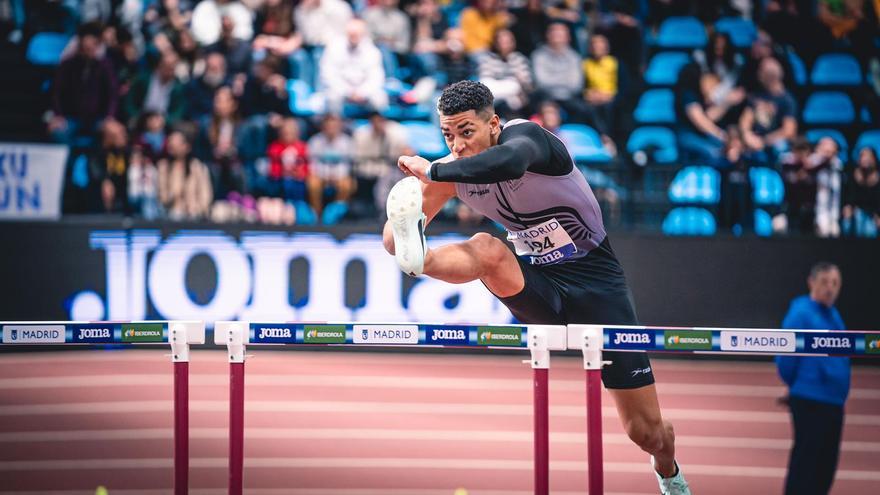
(404, 463)
(448, 409)
(391, 382)
(402, 435)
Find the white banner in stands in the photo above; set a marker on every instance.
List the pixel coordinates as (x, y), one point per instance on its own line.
(31, 177)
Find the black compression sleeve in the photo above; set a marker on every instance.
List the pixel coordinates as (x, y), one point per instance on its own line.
(521, 147)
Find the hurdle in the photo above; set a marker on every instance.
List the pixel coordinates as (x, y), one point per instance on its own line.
(592, 340)
(178, 334)
(539, 340)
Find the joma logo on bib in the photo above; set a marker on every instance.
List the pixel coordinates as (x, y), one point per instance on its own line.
(448, 335)
(831, 343)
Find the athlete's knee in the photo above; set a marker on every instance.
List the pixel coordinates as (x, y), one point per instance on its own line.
(488, 249)
(651, 435)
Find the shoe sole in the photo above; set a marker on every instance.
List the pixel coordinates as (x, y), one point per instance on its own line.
(404, 210)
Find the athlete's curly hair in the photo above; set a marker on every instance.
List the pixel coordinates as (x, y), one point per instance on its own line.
(466, 95)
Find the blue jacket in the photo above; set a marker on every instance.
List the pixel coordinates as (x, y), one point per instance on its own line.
(819, 378)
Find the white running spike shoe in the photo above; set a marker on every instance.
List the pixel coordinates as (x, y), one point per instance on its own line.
(675, 485)
(404, 209)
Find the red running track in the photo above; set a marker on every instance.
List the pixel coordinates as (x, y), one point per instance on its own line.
(356, 423)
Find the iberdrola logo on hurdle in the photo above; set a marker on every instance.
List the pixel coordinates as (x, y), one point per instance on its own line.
(324, 334)
(500, 336)
(142, 332)
(872, 343)
(688, 340)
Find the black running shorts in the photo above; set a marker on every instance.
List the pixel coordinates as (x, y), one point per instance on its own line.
(589, 290)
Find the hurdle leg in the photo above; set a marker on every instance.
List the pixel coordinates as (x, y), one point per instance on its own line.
(540, 351)
(181, 428)
(589, 339)
(234, 335)
(594, 432)
(236, 428)
(180, 336)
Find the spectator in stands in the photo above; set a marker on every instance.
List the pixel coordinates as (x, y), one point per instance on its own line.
(185, 190)
(191, 61)
(220, 135)
(111, 166)
(265, 92)
(150, 137)
(277, 33)
(699, 133)
(122, 53)
(769, 120)
(352, 71)
(829, 170)
(722, 60)
(322, 21)
(507, 73)
(602, 75)
(200, 91)
(530, 26)
(861, 210)
(817, 388)
(377, 146)
(800, 190)
(559, 76)
(763, 47)
(143, 183)
(847, 22)
(480, 22)
(389, 27)
(456, 65)
(331, 152)
(157, 91)
(210, 19)
(735, 207)
(429, 25)
(549, 117)
(235, 50)
(85, 92)
(624, 32)
(289, 175)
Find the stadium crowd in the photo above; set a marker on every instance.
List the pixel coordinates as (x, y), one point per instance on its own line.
(295, 111)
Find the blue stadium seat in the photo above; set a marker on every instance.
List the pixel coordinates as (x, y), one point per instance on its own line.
(664, 67)
(814, 135)
(742, 32)
(45, 48)
(696, 185)
(836, 69)
(829, 108)
(583, 143)
(767, 186)
(763, 223)
(300, 98)
(681, 32)
(655, 107)
(689, 221)
(661, 139)
(799, 70)
(425, 139)
(868, 138)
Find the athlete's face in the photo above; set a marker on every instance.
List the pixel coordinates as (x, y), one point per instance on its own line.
(469, 133)
(825, 287)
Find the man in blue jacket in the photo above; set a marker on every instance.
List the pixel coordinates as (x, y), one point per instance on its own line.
(818, 387)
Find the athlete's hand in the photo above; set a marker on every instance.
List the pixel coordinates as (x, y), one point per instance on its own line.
(415, 166)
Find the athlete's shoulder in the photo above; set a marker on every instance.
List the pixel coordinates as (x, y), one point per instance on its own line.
(522, 127)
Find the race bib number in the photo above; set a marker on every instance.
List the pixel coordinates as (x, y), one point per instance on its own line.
(543, 244)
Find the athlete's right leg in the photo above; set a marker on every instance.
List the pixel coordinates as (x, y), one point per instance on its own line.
(482, 257)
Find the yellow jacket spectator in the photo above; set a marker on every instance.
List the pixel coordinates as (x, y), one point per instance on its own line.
(600, 72)
(480, 23)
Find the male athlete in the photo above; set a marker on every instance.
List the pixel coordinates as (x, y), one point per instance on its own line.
(564, 271)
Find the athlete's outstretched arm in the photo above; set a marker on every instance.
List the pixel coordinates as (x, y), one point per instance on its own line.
(525, 145)
(434, 196)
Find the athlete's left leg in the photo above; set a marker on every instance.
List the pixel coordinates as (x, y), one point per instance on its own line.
(639, 411)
